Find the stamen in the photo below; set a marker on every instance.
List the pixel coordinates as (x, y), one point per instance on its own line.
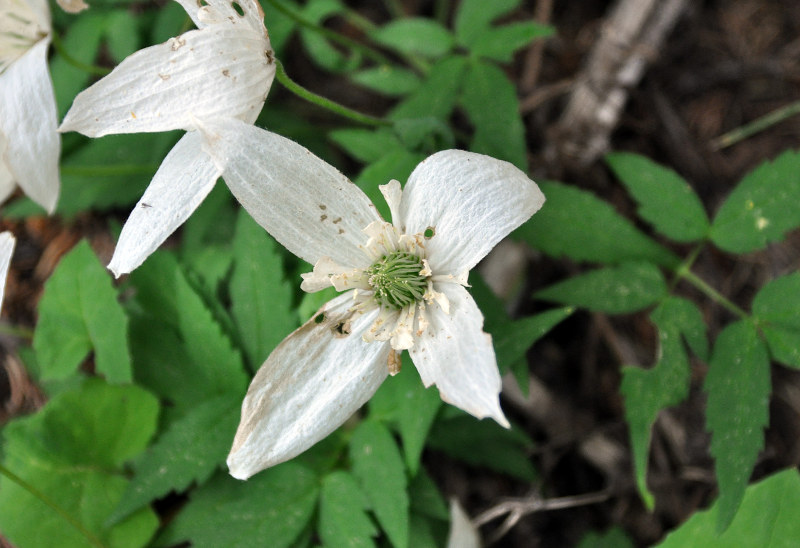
(398, 280)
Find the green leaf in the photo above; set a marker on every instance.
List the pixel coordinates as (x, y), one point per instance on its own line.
(665, 199)
(767, 518)
(437, 95)
(343, 520)
(515, 338)
(474, 16)
(71, 452)
(179, 350)
(190, 450)
(762, 207)
(775, 309)
(379, 468)
(620, 289)
(648, 391)
(484, 443)
(426, 498)
(79, 312)
(82, 42)
(738, 386)
(577, 224)
(272, 507)
(397, 164)
(122, 34)
(261, 297)
(615, 537)
(318, 47)
(490, 100)
(415, 35)
(405, 400)
(365, 145)
(387, 80)
(500, 43)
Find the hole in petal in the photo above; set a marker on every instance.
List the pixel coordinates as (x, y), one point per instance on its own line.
(237, 8)
(341, 329)
(319, 318)
(429, 233)
(202, 3)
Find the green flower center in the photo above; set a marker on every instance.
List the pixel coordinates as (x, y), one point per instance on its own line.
(397, 280)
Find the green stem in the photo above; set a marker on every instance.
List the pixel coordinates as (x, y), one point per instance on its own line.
(16, 331)
(91, 69)
(331, 35)
(312, 97)
(757, 125)
(686, 274)
(93, 540)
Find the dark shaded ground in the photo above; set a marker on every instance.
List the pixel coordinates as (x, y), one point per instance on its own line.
(725, 64)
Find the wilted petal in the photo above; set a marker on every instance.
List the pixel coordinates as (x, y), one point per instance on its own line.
(6, 250)
(198, 75)
(213, 12)
(311, 383)
(463, 533)
(303, 202)
(28, 122)
(470, 201)
(457, 356)
(182, 182)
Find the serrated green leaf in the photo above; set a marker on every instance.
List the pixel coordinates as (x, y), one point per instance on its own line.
(318, 47)
(761, 209)
(648, 391)
(261, 299)
(426, 498)
(415, 35)
(491, 103)
(775, 309)
(179, 350)
(82, 42)
(500, 43)
(437, 94)
(343, 520)
(422, 533)
(122, 34)
(767, 518)
(577, 224)
(474, 16)
(619, 289)
(273, 506)
(190, 450)
(79, 312)
(665, 199)
(379, 468)
(365, 145)
(515, 338)
(405, 400)
(484, 443)
(71, 452)
(738, 386)
(387, 80)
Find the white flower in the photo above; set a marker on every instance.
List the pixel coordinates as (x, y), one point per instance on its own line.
(403, 283)
(6, 250)
(29, 143)
(223, 69)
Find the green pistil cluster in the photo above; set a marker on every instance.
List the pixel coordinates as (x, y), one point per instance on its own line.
(397, 280)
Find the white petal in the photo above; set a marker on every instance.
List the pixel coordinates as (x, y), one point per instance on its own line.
(311, 383)
(6, 250)
(471, 201)
(214, 12)
(28, 121)
(182, 182)
(201, 74)
(7, 184)
(463, 533)
(457, 356)
(306, 204)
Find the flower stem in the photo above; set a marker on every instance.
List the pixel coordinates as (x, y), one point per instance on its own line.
(93, 540)
(331, 35)
(312, 97)
(757, 125)
(91, 69)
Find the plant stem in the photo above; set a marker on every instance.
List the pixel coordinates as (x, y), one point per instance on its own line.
(759, 124)
(91, 69)
(686, 274)
(93, 540)
(312, 97)
(331, 35)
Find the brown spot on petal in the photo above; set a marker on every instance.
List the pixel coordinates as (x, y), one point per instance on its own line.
(163, 76)
(341, 329)
(337, 220)
(322, 218)
(394, 362)
(226, 72)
